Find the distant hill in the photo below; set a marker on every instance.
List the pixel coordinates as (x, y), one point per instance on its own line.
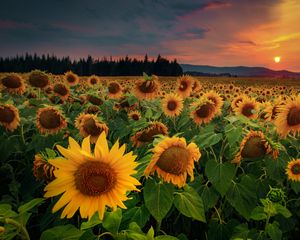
(203, 70)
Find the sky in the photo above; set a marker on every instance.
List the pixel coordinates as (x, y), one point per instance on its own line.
(203, 32)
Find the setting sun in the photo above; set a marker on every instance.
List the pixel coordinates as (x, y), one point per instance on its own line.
(277, 59)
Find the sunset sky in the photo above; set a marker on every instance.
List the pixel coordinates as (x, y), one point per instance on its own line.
(206, 32)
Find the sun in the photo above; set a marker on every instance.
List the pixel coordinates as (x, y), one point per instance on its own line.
(277, 59)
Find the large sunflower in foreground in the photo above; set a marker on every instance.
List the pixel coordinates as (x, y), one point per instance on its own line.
(254, 145)
(91, 181)
(293, 170)
(172, 105)
(173, 159)
(9, 117)
(288, 118)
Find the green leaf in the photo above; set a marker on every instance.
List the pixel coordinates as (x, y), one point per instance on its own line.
(158, 198)
(233, 134)
(148, 113)
(258, 214)
(220, 175)
(274, 231)
(166, 237)
(150, 234)
(242, 196)
(208, 139)
(190, 204)
(67, 232)
(94, 221)
(112, 220)
(296, 187)
(282, 210)
(5, 211)
(28, 206)
(140, 215)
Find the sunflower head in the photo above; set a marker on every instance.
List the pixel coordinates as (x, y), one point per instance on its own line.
(61, 90)
(42, 170)
(114, 90)
(93, 109)
(13, 83)
(203, 111)
(9, 117)
(148, 134)
(71, 78)
(248, 107)
(94, 100)
(147, 89)
(216, 99)
(38, 79)
(172, 105)
(134, 115)
(184, 86)
(90, 181)
(173, 160)
(293, 170)
(93, 80)
(50, 120)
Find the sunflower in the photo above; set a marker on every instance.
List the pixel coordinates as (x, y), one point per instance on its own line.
(38, 79)
(134, 115)
(172, 105)
(148, 134)
(147, 89)
(173, 159)
(42, 170)
(88, 124)
(91, 181)
(93, 109)
(93, 80)
(13, 83)
(235, 102)
(94, 100)
(184, 86)
(114, 90)
(265, 111)
(49, 120)
(254, 145)
(61, 90)
(71, 78)
(293, 170)
(288, 118)
(273, 110)
(216, 99)
(248, 107)
(9, 117)
(203, 111)
(196, 86)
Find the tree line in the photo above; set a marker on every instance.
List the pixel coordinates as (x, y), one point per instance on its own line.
(89, 66)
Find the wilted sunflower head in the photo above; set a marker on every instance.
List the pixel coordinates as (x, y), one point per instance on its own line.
(114, 90)
(9, 117)
(288, 118)
(184, 86)
(42, 170)
(173, 160)
(71, 78)
(147, 89)
(61, 90)
(172, 105)
(293, 170)
(38, 79)
(148, 134)
(13, 83)
(50, 120)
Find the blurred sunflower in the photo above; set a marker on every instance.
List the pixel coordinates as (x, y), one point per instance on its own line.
(173, 160)
(42, 170)
(147, 89)
(147, 135)
(89, 125)
(114, 90)
(172, 105)
(293, 170)
(71, 78)
(288, 118)
(94, 100)
(216, 99)
(38, 79)
(91, 181)
(235, 102)
(134, 115)
(254, 145)
(50, 120)
(9, 117)
(248, 107)
(203, 111)
(184, 86)
(61, 90)
(13, 83)
(93, 80)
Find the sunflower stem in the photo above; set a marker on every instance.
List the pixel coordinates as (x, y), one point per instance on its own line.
(22, 134)
(158, 224)
(23, 231)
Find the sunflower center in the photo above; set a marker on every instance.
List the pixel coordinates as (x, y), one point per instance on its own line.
(183, 86)
(135, 117)
(91, 128)
(247, 110)
(71, 78)
(205, 110)
(93, 81)
(296, 169)
(147, 87)
(174, 160)
(50, 119)
(293, 117)
(114, 88)
(11, 82)
(254, 147)
(94, 178)
(6, 115)
(60, 89)
(172, 105)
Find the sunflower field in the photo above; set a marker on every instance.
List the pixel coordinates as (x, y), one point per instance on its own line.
(148, 157)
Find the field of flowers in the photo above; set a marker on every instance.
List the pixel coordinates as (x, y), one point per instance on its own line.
(148, 157)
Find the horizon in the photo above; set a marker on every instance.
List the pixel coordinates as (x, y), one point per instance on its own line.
(219, 33)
